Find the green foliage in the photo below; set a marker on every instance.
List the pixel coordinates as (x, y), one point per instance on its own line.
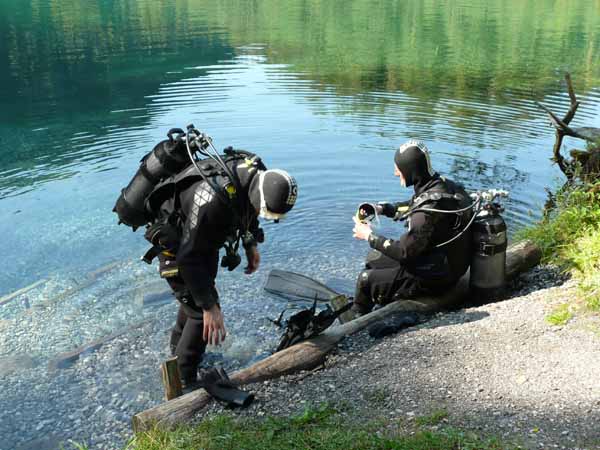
(560, 316)
(570, 238)
(316, 429)
(576, 215)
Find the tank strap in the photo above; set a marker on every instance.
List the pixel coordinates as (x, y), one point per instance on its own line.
(492, 249)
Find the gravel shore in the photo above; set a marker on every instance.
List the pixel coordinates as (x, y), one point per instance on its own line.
(498, 369)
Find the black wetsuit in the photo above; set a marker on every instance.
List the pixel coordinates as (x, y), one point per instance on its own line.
(412, 265)
(205, 220)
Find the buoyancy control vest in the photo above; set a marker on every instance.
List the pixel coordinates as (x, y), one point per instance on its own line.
(449, 257)
(164, 203)
(487, 236)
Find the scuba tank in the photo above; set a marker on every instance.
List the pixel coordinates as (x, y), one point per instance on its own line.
(488, 261)
(167, 158)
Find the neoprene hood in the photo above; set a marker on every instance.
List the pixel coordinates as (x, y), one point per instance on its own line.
(273, 193)
(412, 159)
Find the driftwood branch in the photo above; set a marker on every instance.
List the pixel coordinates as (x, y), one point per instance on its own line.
(574, 103)
(311, 353)
(563, 129)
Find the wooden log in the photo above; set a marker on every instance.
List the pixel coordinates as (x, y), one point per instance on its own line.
(338, 302)
(309, 354)
(171, 378)
(89, 280)
(521, 257)
(67, 359)
(12, 296)
(153, 294)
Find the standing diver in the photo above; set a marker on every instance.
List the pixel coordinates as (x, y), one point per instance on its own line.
(434, 253)
(192, 208)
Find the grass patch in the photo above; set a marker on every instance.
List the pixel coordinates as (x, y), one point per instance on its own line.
(560, 316)
(321, 428)
(570, 238)
(432, 419)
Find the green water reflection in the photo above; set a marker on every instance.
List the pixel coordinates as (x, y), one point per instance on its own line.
(67, 64)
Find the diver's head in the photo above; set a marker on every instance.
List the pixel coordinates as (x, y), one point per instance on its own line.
(273, 193)
(412, 163)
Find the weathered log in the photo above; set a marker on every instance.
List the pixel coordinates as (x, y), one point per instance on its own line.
(12, 296)
(153, 295)
(89, 280)
(338, 302)
(171, 378)
(311, 353)
(64, 360)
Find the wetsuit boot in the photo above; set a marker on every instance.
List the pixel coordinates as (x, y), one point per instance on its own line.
(187, 344)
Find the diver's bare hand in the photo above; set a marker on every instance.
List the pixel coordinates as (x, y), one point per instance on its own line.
(361, 230)
(214, 327)
(253, 258)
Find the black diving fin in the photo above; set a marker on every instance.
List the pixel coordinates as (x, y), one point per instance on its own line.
(308, 323)
(295, 286)
(219, 386)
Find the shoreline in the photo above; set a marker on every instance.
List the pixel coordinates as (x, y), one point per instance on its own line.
(498, 369)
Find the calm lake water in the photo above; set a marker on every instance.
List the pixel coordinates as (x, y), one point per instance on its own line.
(324, 89)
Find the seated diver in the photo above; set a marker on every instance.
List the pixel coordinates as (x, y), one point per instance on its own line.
(435, 251)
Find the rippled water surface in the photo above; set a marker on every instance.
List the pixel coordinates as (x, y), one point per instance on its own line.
(324, 89)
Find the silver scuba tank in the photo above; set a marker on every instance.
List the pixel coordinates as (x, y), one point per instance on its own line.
(488, 261)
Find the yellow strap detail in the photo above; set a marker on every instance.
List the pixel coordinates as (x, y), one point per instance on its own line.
(230, 188)
(169, 273)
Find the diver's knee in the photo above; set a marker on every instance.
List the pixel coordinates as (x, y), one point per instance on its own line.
(363, 278)
(372, 257)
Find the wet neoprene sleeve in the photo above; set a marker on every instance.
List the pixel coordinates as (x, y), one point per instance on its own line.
(387, 209)
(258, 234)
(416, 242)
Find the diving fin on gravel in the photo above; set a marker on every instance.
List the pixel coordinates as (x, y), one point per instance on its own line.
(219, 386)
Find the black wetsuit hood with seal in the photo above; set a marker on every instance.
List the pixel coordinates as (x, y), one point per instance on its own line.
(412, 159)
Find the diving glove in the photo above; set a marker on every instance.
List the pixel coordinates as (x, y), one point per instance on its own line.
(219, 386)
